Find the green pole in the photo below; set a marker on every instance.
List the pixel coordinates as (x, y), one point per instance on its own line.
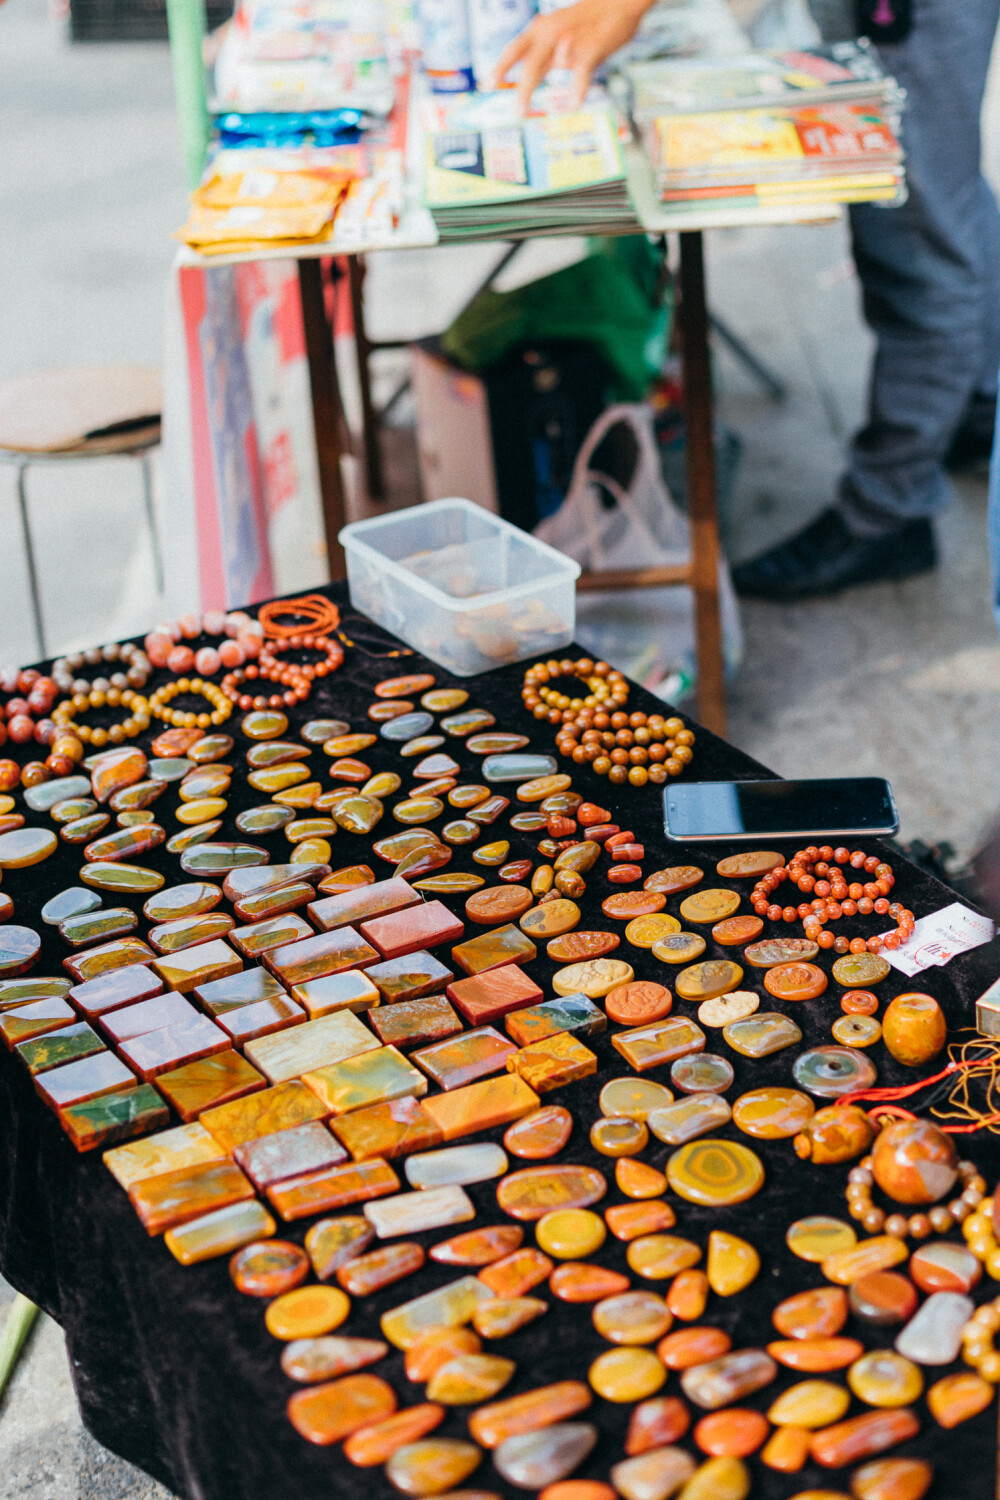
(19, 1323)
(186, 20)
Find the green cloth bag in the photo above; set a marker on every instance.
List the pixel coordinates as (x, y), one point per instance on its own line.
(613, 299)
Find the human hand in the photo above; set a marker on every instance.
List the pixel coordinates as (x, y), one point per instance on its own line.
(577, 38)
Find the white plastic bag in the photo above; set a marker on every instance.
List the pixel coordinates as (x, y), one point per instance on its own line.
(648, 633)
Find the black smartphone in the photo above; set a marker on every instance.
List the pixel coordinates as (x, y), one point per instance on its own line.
(837, 807)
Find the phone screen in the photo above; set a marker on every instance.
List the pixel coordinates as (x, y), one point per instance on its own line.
(751, 809)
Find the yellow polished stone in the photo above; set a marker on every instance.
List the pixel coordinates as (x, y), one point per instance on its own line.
(311, 852)
(705, 981)
(732, 1263)
(884, 1378)
(627, 1374)
(432, 1466)
(956, 1398)
(307, 1312)
(636, 1179)
(689, 1117)
(718, 1479)
(167, 1151)
(619, 1137)
(220, 1232)
(505, 1315)
(810, 1404)
(880, 1253)
(595, 977)
(818, 1236)
(708, 906)
(278, 778)
(643, 932)
(679, 948)
(370, 1078)
(570, 1233)
(715, 1172)
(857, 1031)
(772, 1113)
(645, 1047)
(26, 846)
(202, 810)
(632, 1318)
(661, 1256)
(469, 1379)
(310, 828)
(633, 1098)
(449, 1306)
(552, 1062)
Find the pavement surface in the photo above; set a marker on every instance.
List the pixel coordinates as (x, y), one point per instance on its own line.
(899, 679)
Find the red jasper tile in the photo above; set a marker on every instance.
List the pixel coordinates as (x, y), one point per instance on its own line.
(495, 993)
(418, 927)
(363, 902)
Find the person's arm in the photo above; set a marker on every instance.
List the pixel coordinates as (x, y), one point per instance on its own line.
(578, 38)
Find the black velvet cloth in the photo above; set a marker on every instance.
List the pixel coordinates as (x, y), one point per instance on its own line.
(175, 1370)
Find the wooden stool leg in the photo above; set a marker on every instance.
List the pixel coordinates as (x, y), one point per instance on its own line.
(29, 556)
(325, 392)
(700, 459)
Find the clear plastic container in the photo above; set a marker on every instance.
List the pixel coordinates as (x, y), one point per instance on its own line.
(460, 585)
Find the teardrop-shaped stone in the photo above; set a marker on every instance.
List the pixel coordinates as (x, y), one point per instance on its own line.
(136, 798)
(115, 769)
(505, 1315)
(72, 902)
(432, 1465)
(358, 814)
(818, 1313)
(435, 765)
(266, 819)
(200, 833)
(732, 1263)
(654, 1424)
(204, 810)
(492, 854)
(541, 1134)
(407, 726)
(637, 1179)
(718, 1479)
(297, 798)
(653, 1475)
(460, 831)
(531, 1460)
(422, 861)
(956, 1398)
(326, 1357)
(346, 768)
(421, 745)
(470, 1379)
(211, 747)
(207, 781)
(318, 731)
(272, 779)
(811, 1403)
(418, 810)
(472, 721)
(487, 812)
(723, 1381)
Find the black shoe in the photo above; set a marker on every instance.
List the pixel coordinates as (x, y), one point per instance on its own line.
(826, 556)
(973, 442)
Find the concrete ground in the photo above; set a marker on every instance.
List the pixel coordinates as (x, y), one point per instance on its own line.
(902, 679)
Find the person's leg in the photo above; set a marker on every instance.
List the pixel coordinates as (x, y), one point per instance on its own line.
(993, 521)
(930, 274)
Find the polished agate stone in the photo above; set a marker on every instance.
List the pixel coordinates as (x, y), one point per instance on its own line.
(19, 949)
(120, 953)
(114, 769)
(491, 950)
(54, 1048)
(373, 1077)
(50, 793)
(499, 903)
(394, 1128)
(481, 1106)
(175, 1198)
(75, 901)
(167, 1151)
(327, 953)
(487, 812)
(85, 1078)
(883, 1299)
(157, 1052)
(860, 1437)
(774, 951)
(403, 932)
(262, 1019)
(188, 932)
(200, 833)
(333, 1187)
(701, 1073)
(178, 901)
(195, 966)
(147, 1015)
(457, 1061)
(415, 1213)
(687, 1118)
(69, 810)
(706, 981)
(761, 1034)
(26, 846)
(772, 1113)
(349, 990)
(242, 883)
(353, 906)
(914, 1028)
(582, 945)
(118, 1116)
(831, 1071)
(403, 979)
(518, 767)
(553, 1062)
(489, 995)
(567, 1013)
(221, 858)
(413, 1023)
(288, 1153)
(729, 1378)
(816, 1237)
(942, 1266)
(82, 830)
(933, 1336)
(533, 1191)
(651, 1046)
(860, 969)
(265, 819)
(117, 987)
(540, 1134)
(715, 1171)
(316, 1044)
(219, 1233)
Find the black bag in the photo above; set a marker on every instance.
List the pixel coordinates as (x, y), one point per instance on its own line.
(884, 20)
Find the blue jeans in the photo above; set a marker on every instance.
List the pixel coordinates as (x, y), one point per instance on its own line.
(930, 274)
(993, 521)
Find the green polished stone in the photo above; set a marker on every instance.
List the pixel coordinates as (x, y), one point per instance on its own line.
(57, 1047)
(200, 833)
(72, 902)
(15, 992)
(185, 932)
(831, 1071)
(49, 793)
(121, 877)
(407, 726)
(213, 747)
(219, 859)
(81, 830)
(173, 768)
(269, 818)
(455, 882)
(114, 1117)
(134, 798)
(472, 721)
(461, 831)
(98, 926)
(188, 900)
(134, 819)
(73, 808)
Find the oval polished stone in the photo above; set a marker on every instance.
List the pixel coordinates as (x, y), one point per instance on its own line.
(638, 1003)
(311, 851)
(660, 1257)
(267, 1268)
(882, 1378)
(273, 779)
(498, 904)
(134, 819)
(914, 1162)
(575, 946)
(707, 980)
(715, 1172)
(492, 854)
(261, 724)
(376, 1442)
(528, 822)
(539, 787)
(749, 863)
(732, 1263)
(678, 947)
(407, 726)
(274, 752)
(551, 920)
(126, 843)
(531, 1460)
(26, 846)
(398, 845)
(307, 1312)
(733, 932)
(944, 1266)
(892, 1479)
(856, 1031)
(221, 858)
(206, 781)
(956, 1398)
(644, 932)
(19, 949)
(773, 951)
(121, 877)
(389, 708)
(455, 883)
(810, 1404)
(577, 1281)
(633, 1098)
(701, 1073)
(882, 1298)
(418, 810)
(735, 1433)
(579, 857)
(540, 1134)
(674, 878)
(816, 1356)
(201, 811)
(626, 1375)
(67, 811)
(348, 745)
(762, 1034)
(432, 1465)
(593, 978)
(879, 1253)
(534, 1191)
(653, 1475)
(860, 1437)
(72, 902)
(421, 861)
(468, 796)
(729, 1378)
(83, 829)
(48, 794)
(312, 1360)
(818, 1236)
(795, 981)
(570, 1233)
(636, 1179)
(628, 904)
(772, 1113)
(266, 819)
(499, 743)
(829, 1072)
(688, 1295)
(819, 1313)
(619, 1137)
(709, 906)
(688, 1347)
(97, 926)
(860, 969)
(518, 767)
(212, 747)
(472, 721)
(444, 700)
(735, 1006)
(200, 833)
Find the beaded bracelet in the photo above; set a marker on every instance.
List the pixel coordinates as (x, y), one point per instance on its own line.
(171, 690)
(939, 1220)
(64, 716)
(297, 686)
(977, 1341)
(333, 651)
(817, 872)
(166, 648)
(134, 671)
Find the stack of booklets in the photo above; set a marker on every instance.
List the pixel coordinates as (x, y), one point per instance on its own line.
(490, 172)
(817, 126)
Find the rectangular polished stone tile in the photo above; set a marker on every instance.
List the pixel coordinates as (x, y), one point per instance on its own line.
(413, 1213)
(56, 1047)
(414, 1023)
(114, 1117)
(662, 1042)
(210, 1081)
(28, 1021)
(146, 1015)
(336, 1187)
(160, 1051)
(495, 993)
(103, 1073)
(491, 950)
(406, 978)
(109, 991)
(257, 906)
(263, 1113)
(220, 1232)
(388, 1130)
(192, 967)
(420, 926)
(350, 907)
(314, 1045)
(289, 1153)
(350, 990)
(552, 1063)
(447, 1306)
(481, 1106)
(29, 988)
(244, 988)
(574, 1013)
(462, 1059)
(371, 1078)
(169, 1151)
(262, 1019)
(272, 932)
(178, 1197)
(327, 953)
(122, 953)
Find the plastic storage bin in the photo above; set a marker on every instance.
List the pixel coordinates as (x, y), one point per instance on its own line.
(461, 585)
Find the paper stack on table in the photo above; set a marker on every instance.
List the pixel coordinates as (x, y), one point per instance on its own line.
(813, 127)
